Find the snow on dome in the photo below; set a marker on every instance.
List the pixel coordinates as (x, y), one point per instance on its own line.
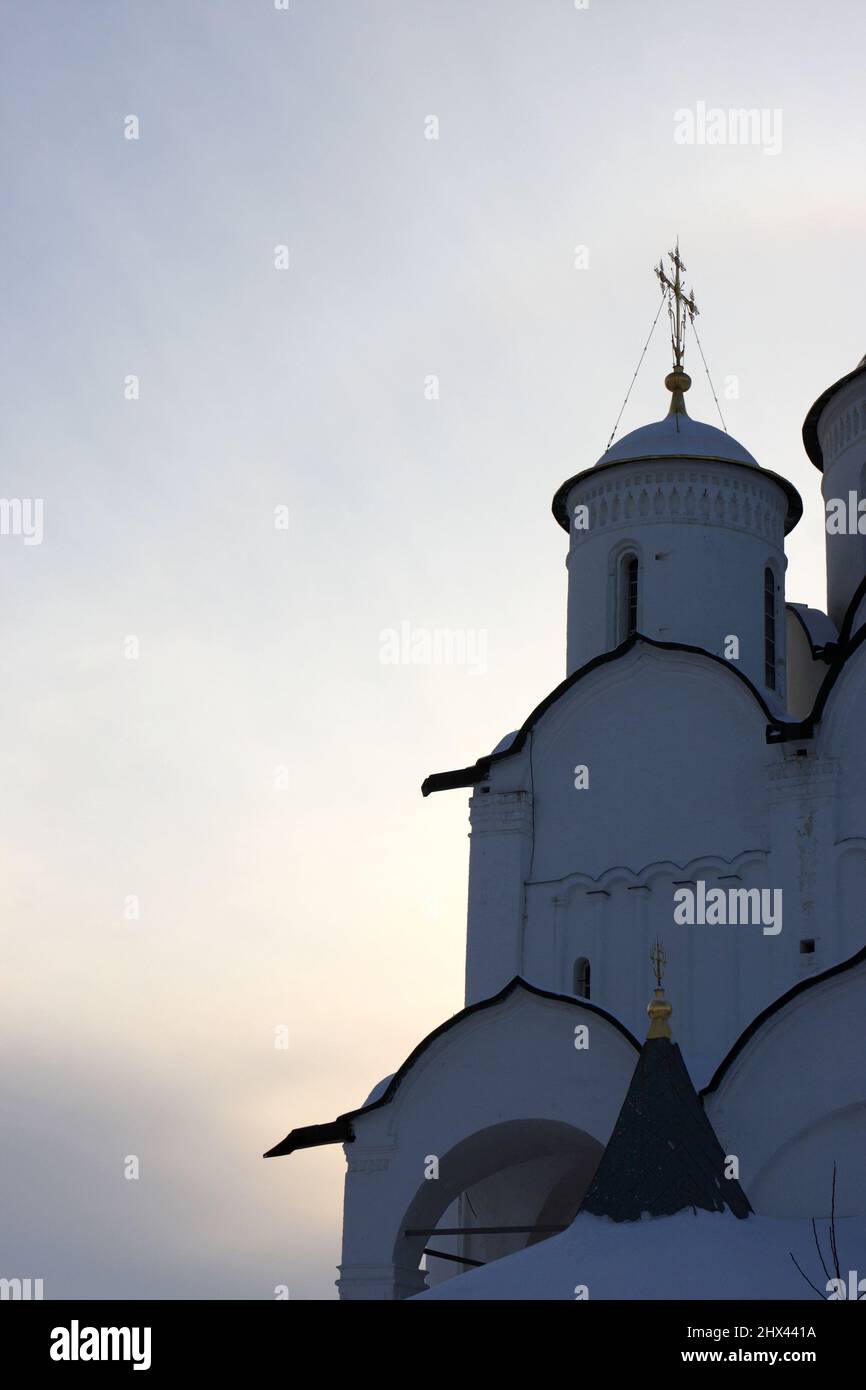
(820, 629)
(677, 436)
(378, 1090)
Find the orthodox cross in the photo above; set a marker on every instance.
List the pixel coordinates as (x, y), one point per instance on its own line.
(659, 961)
(681, 306)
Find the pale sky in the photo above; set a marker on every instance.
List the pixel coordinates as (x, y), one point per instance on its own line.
(334, 905)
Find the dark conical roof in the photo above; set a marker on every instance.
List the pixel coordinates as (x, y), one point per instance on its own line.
(663, 1155)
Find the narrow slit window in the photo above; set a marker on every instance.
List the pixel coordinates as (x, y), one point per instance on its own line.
(769, 629)
(628, 593)
(581, 978)
(631, 596)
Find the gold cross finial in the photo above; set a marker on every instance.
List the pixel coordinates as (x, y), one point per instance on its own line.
(658, 1008)
(682, 309)
(659, 961)
(681, 306)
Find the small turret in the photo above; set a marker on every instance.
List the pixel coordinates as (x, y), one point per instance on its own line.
(677, 534)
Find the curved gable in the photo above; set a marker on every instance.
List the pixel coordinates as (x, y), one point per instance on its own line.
(789, 1098)
(839, 709)
(777, 1007)
(668, 740)
(480, 770)
(446, 1032)
(436, 1044)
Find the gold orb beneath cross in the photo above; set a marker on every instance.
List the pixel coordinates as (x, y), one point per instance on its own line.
(678, 380)
(659, 1011)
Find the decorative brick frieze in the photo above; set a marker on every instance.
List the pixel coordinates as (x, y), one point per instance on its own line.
(794, 779)
(848, 426)
(693, 494)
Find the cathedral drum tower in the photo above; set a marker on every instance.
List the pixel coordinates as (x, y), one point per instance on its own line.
(678, 534)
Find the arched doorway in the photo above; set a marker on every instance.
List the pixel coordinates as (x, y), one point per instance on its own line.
(528, 1173)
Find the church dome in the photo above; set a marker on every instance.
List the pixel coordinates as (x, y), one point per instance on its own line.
(677, 436)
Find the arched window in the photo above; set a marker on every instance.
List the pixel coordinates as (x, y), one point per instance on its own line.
(769, 629)
(581, 978)
(628, 591)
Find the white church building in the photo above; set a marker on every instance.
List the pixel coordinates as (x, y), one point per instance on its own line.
(699, 779)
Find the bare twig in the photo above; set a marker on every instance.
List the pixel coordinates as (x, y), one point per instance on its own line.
(833, 1248)
(818, 1248)
(808, 1280)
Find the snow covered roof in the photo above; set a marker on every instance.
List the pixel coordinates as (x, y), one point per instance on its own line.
(818, 627)
(703, 1255)
(378, 1090)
